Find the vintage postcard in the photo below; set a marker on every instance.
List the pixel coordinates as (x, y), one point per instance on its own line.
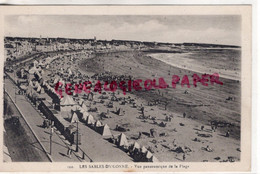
(126, 88)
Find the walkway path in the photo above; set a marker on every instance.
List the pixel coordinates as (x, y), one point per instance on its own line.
(34, 119)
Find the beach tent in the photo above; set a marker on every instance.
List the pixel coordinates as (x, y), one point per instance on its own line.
(136, 146)
(32, 70)
(98, 124)
(84, 107)
(39, 89)
(67, 101)
(143, 150)
(56, 80)
(37, 84)
(35, 63)
(90, 119)
(62, 81)
(23, 87)
(44, 83)
(148, 155)
(74, 118)
(81, 101)
(81, 110)
(31, 84)
(75, 108)
(29, 91)
(66, 105)
(48, 86)
(42, 91)
(122, 140)
(106, 131)
(85, 116)
(38, 74)
(41, 63)
(42, 72)
(69, 71)
(154, 159)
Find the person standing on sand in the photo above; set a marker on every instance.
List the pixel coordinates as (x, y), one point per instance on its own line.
(227, 134)
(183, 157)
(69, 152)
(142, 110)
(213, 128)
(184, 115)
(140, 135)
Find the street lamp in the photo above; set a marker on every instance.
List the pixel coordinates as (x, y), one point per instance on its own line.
(14, 87)
(77, 143)
(51, 133)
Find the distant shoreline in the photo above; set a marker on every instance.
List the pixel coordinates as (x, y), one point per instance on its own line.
(189, 66)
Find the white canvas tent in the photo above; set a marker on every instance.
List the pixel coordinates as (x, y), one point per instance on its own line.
(69, 71)
(42, 91)
(81, 101)
(39, 89)
(85, 116)
(31, 84)
(66, 105)
(74, 118)
(56, 80)
(136, 146)
(106, 131)
(90, 119)
(67, 101)
(143, 150)
(122, 140)
(32, 70)
(84, 107)
(98, 124)
(75, 108)
(148, 154)
(35, 63)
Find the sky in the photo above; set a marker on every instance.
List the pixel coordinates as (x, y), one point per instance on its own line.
(215, 29)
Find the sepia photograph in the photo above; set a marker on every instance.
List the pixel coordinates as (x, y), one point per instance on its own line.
(125, 89)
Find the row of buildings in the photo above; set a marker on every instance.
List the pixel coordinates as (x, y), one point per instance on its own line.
(16, 47)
